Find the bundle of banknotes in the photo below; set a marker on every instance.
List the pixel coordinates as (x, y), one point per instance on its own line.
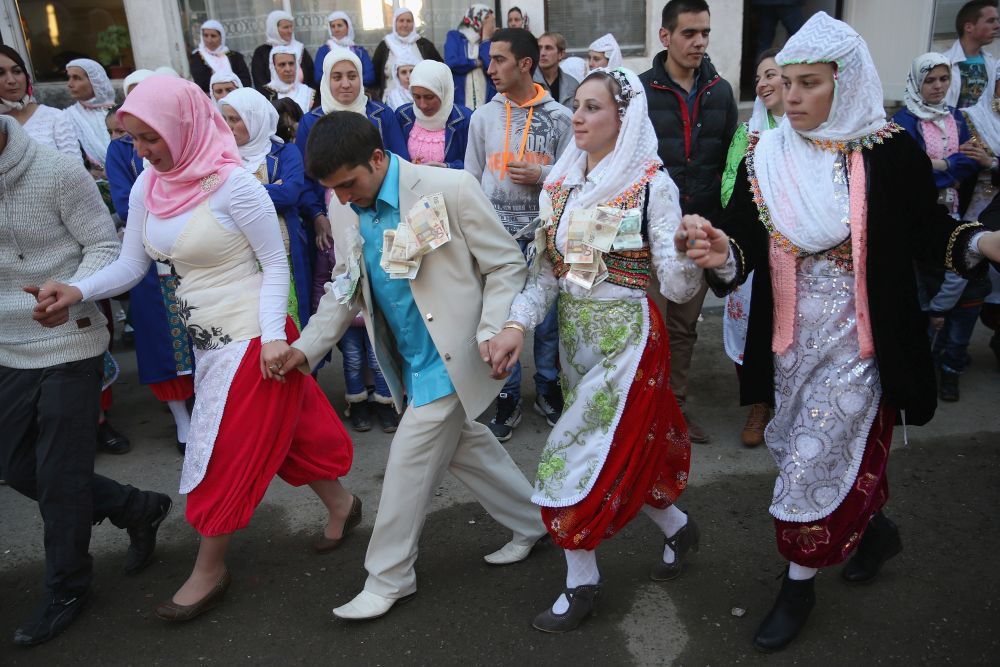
(593, 232)
(423, 228)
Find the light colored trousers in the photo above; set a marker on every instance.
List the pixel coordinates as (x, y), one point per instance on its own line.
(432, 439)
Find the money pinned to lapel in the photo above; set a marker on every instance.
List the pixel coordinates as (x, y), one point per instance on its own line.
(424, 228)
(346, 284)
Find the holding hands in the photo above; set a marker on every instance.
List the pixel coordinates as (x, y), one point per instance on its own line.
(502, 351)
(53, 302)
(703, 243)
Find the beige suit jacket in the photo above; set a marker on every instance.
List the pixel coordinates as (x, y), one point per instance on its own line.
(464, 288)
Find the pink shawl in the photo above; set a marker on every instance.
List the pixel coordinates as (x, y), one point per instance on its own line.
(201, 144)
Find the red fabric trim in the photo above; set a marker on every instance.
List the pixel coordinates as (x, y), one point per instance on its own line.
(179, 388)
(268, 428)
(649, 459)
(832, 539)
(107, 400)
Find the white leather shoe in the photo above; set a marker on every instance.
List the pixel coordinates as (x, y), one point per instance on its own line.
(508, 554)
(367, 605)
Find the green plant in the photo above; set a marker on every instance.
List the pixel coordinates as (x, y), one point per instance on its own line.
(111, 44)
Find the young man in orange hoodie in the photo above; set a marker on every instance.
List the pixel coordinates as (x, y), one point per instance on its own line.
(513, 142)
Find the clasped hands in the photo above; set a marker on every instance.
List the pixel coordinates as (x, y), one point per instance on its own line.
(706, 245)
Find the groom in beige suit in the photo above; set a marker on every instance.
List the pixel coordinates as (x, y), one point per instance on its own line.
(431, 337)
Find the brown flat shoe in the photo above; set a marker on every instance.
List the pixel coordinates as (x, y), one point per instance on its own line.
(757, 419)
(171, 611)
(325, 545)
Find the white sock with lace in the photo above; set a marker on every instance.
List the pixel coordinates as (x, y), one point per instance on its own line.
(798, 572)
(181, 417)
(581, 570)
(670, 520)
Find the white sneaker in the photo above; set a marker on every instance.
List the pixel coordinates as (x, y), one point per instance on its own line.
(509, 553)
(367, 605)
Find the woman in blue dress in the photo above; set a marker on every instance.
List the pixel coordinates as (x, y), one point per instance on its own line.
(342, 35)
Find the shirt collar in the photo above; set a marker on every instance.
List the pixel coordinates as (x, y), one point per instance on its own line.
(577, 176)
(388, 194)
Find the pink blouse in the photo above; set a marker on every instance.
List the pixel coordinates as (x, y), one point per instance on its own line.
(426, 145)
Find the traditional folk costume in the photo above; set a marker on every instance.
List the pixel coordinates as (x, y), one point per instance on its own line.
(162, 348)
(468, 57)
(216, 226)
(608, 45)
(983, 119)
(279, 168)
(621, 444)
(836, 339)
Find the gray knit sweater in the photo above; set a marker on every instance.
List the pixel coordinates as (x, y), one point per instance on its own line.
(53, 225)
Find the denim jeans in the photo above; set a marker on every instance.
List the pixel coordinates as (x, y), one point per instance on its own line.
(951, 343)
(546, 350)
(358, 350)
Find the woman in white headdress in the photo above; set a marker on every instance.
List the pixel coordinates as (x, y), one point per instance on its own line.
(213, 57)
(604, 52)
(621, 445)
(467, 53)
(221, 84)
(283, 82)
(983, 119)
(436, 129)
(403, 41)
(398, 93)
(840, 204)
(575, 66)
(768, 111)
(279, 28)
(342, 35)
(90, 86)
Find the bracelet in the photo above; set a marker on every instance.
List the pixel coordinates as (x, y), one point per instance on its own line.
(273, 340)
(515, 325)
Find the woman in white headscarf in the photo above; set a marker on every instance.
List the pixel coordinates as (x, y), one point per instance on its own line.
(90, 86)
(840, 204)
(436, 129)
(604, 52)
(278, 166)
(283, 82)
(983, 120)
(213, 57)
(280, 31)
(221, 84)
(621, 445)
(46, 125)
(575, 66)
(342, 35)
(398, 93)
(768, 112)
(467, 53)
(404, 39)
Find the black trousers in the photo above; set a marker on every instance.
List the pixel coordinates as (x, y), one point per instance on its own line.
(48, 439)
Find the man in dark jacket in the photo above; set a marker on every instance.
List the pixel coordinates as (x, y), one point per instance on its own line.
(694, 114)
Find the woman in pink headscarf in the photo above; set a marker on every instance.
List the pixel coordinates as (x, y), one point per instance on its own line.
(214, 223)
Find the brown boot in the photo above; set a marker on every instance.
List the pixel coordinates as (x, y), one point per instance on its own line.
(757, 419)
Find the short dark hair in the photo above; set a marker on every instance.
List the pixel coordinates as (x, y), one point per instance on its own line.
(522, 44)
(970, 13)
(288, 112)
(340, 139)
(675, 8)
(765, 54)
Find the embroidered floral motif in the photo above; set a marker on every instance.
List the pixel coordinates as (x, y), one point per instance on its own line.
(807, 537)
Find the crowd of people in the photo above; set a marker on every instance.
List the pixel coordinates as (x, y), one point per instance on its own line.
(424, 214)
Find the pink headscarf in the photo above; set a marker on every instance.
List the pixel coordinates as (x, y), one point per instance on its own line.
(201, 144)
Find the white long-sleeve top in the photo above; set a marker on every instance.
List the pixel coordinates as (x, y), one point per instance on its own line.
(50, 127)
(680, 278)
(240, 204)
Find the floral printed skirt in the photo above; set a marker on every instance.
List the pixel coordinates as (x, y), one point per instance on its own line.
(831, 539)
(621, 442)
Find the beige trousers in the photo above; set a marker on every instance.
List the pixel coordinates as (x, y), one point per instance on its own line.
(432, 439)
(681, 320)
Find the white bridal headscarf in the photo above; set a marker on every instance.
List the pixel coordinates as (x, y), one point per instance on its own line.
(261, 119)
(217, 60)
(346, 42)
(327, 100)
(435, 77)
(575, 66)
(88, 116)
(634, 149)
(796, 174)
(915, 103)
(984, 117)
(608, 45)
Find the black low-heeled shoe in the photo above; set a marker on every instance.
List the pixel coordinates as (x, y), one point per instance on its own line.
(582, 603)
(880, 542)
(683, 541)
(788, 615)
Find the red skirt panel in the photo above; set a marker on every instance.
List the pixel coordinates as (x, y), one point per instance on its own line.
(179, 388)
(268, 428)
(832, 539)
(648, 462)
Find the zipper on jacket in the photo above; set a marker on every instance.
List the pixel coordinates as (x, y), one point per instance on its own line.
(686, 117)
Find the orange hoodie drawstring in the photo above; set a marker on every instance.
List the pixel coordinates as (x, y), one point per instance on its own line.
(506, 140)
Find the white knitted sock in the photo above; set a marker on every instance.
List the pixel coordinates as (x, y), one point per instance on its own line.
(670, 520)
(181, 418)
(581, 570)
(798, 572)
